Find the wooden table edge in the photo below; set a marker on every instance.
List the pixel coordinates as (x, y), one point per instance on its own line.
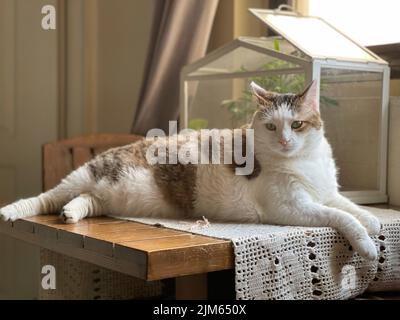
(138, 263)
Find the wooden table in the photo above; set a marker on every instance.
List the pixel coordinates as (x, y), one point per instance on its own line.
(144, 251)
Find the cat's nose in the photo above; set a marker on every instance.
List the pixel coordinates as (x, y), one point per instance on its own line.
(283, 142)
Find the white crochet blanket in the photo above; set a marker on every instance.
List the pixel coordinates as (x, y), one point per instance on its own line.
(276, 262)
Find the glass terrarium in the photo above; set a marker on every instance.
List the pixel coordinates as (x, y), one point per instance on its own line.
(353, 91)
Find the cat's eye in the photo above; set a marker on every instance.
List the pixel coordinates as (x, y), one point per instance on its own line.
(270, 126)
(297, 124)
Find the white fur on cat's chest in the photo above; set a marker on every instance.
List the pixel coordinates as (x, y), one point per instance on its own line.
(321, 173)
(280, 184)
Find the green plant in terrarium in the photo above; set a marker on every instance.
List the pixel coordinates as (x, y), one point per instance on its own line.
(198, 124)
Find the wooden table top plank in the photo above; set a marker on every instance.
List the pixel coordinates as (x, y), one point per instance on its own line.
(131, 235)
(145, 251)
(54, 221)
(174, 242)
(123, 229)
(105, 243)
(99, 229)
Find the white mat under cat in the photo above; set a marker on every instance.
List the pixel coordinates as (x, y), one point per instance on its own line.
(273, 262)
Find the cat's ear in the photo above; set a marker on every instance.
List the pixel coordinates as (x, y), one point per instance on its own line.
(310, 96)
(263, 96)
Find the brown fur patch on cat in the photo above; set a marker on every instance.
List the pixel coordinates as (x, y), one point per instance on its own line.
(109, 164)
(314, 120)
(177, 183)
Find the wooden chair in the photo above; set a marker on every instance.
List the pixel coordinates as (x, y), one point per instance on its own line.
(120, 251)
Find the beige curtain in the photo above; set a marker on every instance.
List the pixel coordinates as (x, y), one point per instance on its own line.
(180, 34)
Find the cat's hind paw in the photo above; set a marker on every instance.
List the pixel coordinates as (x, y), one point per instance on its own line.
(69, 215)
(8, 213)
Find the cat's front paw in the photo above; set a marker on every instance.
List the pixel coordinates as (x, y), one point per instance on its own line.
(371, 223)
(69, 215)
(366, 248)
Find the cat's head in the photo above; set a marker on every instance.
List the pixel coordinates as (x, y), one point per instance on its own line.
(286, 124)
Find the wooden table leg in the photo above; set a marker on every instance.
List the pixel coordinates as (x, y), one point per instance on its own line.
(193, 287)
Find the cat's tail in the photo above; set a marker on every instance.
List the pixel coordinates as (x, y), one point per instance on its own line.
(52, 201)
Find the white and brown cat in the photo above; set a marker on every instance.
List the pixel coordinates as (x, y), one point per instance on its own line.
(294, 181)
